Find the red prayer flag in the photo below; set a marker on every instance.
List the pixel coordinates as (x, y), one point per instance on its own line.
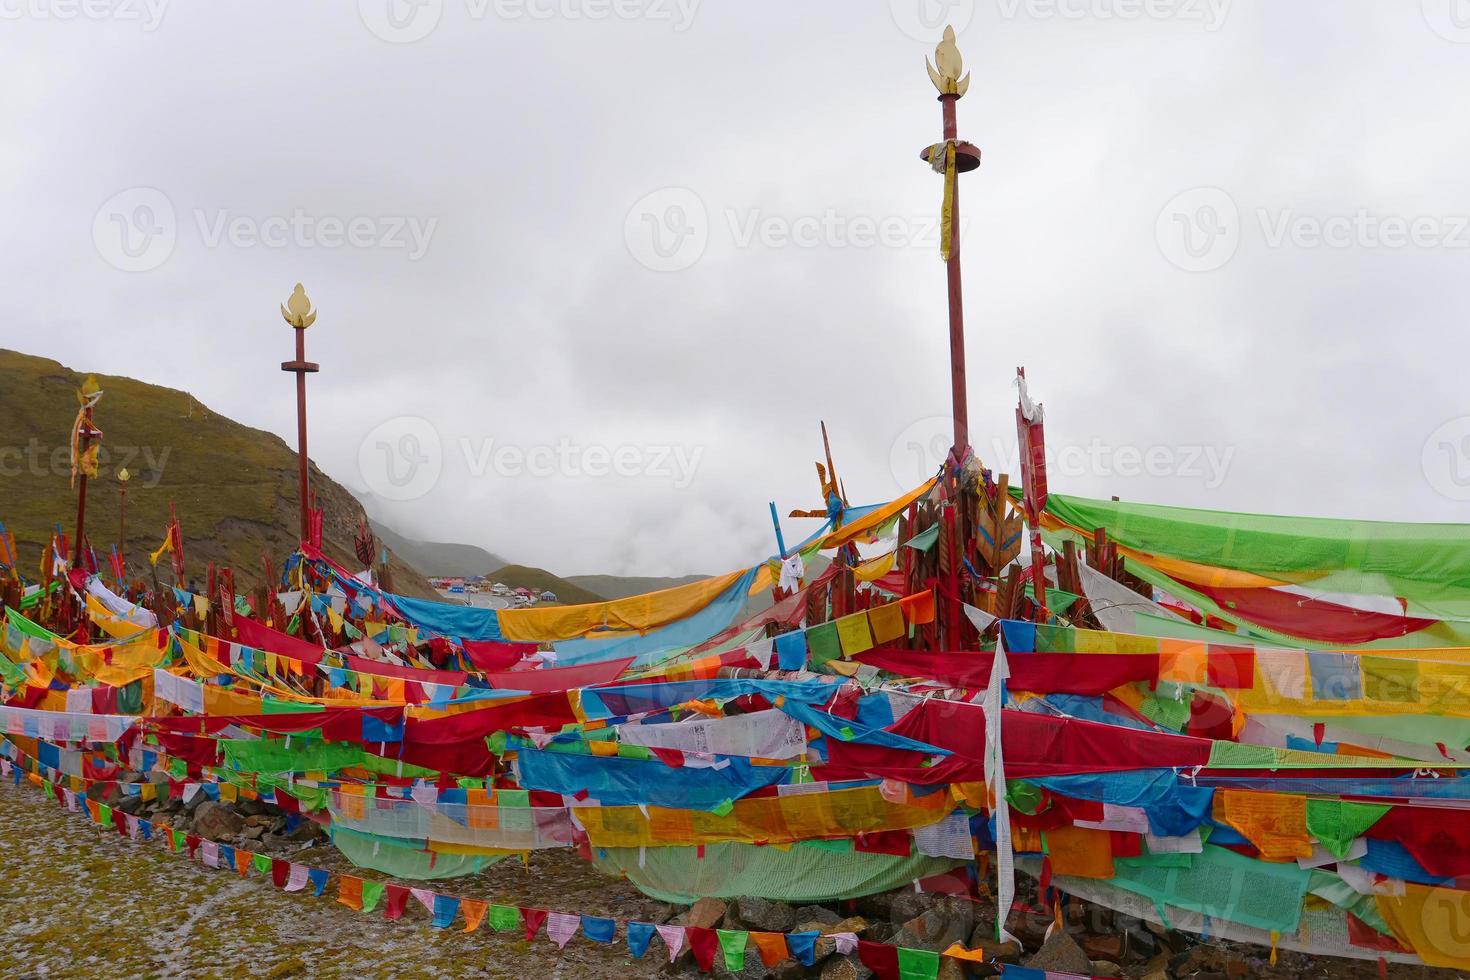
(705, 943)
(881, 958)
(533, 918)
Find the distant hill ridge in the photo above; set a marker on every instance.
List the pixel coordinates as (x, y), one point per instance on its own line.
(539, 580)
(622, 586)
(235, 487)
(437, 558)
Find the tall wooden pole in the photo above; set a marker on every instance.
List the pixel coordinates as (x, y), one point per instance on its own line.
(298, 313)
(122, 516)
(951, 158)
(958, 393)
(82, 463)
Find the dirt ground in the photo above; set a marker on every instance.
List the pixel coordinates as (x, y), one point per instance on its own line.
(78, 902)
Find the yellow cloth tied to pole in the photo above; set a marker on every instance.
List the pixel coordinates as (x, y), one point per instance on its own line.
(946, 221)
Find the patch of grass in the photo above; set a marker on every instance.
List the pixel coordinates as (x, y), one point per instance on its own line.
(234, 486)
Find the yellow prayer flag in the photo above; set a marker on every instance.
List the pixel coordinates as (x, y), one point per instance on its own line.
(853, 634)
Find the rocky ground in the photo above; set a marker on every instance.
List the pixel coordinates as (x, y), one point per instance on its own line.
(81, 902)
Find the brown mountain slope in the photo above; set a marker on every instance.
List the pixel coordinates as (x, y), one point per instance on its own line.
(235, 487)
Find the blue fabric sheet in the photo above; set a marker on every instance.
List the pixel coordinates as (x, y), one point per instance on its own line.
(615, 781)
(1174, 808)
(615, 701)
(447, 619)
(1393, 859)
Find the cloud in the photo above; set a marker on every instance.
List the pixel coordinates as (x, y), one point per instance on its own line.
(532, 319)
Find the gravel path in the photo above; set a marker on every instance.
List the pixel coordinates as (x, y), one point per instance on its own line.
(78, 902)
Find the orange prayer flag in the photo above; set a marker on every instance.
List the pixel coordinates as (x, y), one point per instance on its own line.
(772, 947)
(1276, 823)
(349, 892)
(958, 952)
(242, 861)
(474, 913)
(1081, 852)
(918, 608)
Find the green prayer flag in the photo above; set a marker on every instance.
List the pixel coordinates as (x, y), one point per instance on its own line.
(371, 892)
(925, 539)
(104, 815)
(513, 797)
(504, 918)
(917, 964)
(823, 644)
(261, 863)
(1336, 823)
(732, 943)
(177, 838)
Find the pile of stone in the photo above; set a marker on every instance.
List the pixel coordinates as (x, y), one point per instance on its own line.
(249, 823)
(1091, 940)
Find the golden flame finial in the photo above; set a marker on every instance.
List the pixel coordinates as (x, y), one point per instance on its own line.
(298, 311)
(89, 392)
(947, 66)
(123, 476)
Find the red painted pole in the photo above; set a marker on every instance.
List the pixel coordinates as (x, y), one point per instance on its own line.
(298, 313)
(302, 460)
(958, 397)
(83, 444)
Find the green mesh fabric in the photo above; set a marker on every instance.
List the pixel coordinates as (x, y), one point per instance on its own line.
(404, 859)
(1223, 885)
(800, 874)
(1426, 562)
(274, 755)
(1337, 822)
(1443, 634)
(1166, 710)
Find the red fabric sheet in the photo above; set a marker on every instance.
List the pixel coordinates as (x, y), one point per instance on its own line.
(261, 637)
(1438, 838)
(1041, 673)
(363, 665)
(559, 679)
(493, 655)
(339, 724)
(1035, 745)
(1311, 619)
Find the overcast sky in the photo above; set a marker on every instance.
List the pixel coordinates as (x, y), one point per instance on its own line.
(589, 272)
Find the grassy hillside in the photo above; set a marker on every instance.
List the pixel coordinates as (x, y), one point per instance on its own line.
(621, 586)
(539, 579)
(439, 558)
(235, 487)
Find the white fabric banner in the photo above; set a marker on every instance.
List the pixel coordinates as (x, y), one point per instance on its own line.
(119, 606)
(791, 573)
(64, 726)
(1114, 604)
(949, 838)
(79, 700)
(770, 734)
(187, 694)
(995, 780)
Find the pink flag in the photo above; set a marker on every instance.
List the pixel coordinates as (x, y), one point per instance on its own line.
(561, 927)
(673, 938)
(297, 879)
